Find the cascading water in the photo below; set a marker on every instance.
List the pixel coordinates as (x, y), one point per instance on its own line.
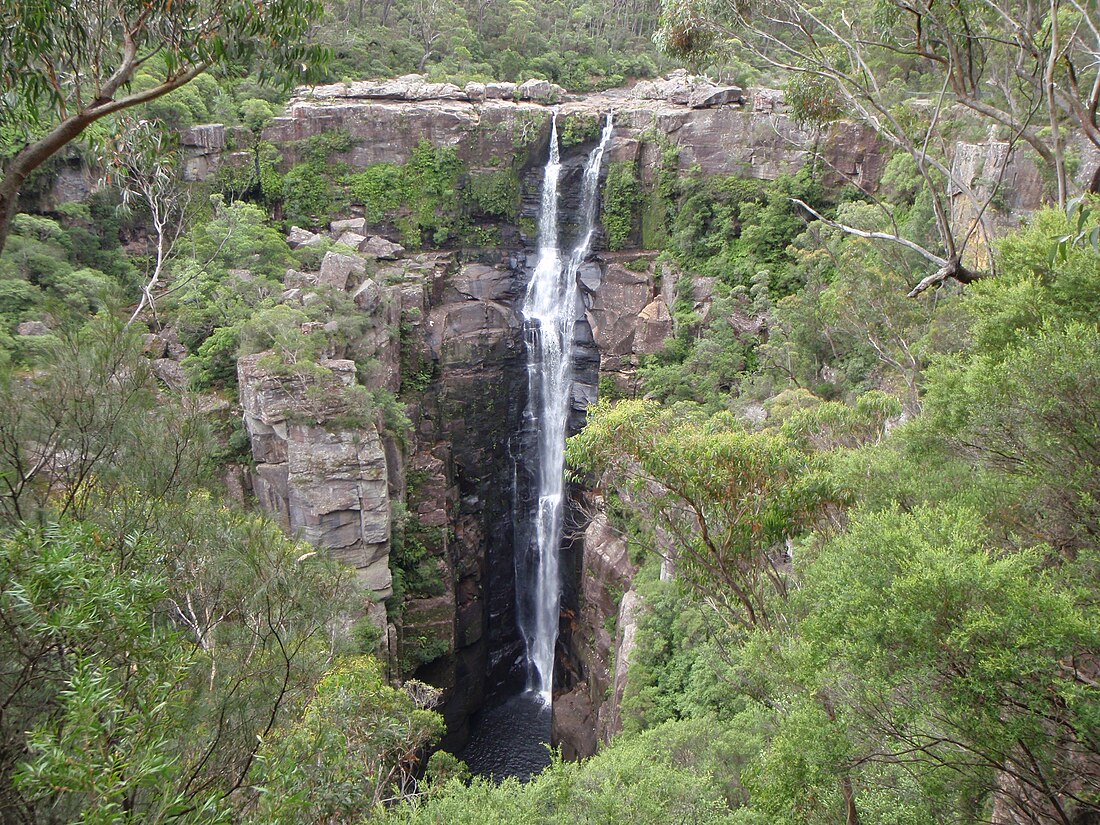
(549, 312)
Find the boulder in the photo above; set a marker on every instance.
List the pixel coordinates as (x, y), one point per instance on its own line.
(293, 279)
(271, 399)
(153, 345)
(616, 305)
(677, 87)
(301, 237)
(407, 87)
(320, 478)
(338, 228)
(500, 91)
(610, 718)
(475, 91)
(175, 350)
(540, 91)
(381, 248)
(654, 327)
(336, 269)
(170, 373)
(590, 276)
(367, 295)
(721, 96)
(352, 239)
(482, 283)
(32, 328)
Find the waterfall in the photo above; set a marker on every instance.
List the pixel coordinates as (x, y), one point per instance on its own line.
(549, 311)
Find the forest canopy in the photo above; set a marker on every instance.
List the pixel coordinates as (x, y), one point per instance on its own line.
(856, 487)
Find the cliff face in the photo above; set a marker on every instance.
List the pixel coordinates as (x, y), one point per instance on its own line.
(446, 334)
(720, 129)
(603, 640)
(319, 478)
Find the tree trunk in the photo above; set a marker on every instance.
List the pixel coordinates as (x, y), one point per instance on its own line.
(35, 154)
(851, 812)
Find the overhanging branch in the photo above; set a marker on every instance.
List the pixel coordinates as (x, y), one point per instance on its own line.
(880, 236)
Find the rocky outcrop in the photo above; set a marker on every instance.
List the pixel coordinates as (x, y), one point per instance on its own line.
(588, 715)
(687, 90)
(203, 148)
(626, 315)
(722, 129)
(323, 480)
(445, 334)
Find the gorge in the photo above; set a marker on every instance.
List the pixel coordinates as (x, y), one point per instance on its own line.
(498, 350)
(558, 434)
(780, 501)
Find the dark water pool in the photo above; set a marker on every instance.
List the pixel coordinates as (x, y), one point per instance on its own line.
(510, 739)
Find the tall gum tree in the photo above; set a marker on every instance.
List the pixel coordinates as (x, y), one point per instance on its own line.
(1025, 69)
(65, 64)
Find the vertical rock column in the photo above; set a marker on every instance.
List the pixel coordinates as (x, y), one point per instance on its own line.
(323, 480)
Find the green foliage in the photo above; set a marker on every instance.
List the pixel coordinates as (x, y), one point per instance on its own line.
(729, 497)
(1036, 287)
(415, 555)
(702, 363)
(255, 114)
(93, 400)
(59, 269)
(579, 128)
(1023, 416)
(237, 237)
(921, 606)
(146, 649)
(833, 425)
(348, 752)
(914, 649)
(114, 63)
(422, 198)
(621, 199)
(679, 669)
(214, 364)
(814, 100)
(579, 46)
(308, 195)
(430, 189)
(378, 189)
(79, 622)
(420, 649)
(678, 772)
(493, 194)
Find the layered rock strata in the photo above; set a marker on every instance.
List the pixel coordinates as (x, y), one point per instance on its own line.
(325, 482)
(444, 334)
(720, 129)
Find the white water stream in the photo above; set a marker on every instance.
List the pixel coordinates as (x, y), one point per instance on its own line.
(550, 310)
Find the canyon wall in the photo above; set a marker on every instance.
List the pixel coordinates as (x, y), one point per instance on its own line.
(449, 337)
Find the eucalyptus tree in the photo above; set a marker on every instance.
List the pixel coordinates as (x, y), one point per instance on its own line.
(724, 500)
(65, 65)
(1027, 70)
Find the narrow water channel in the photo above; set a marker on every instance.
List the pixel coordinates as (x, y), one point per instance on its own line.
(511, 739)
